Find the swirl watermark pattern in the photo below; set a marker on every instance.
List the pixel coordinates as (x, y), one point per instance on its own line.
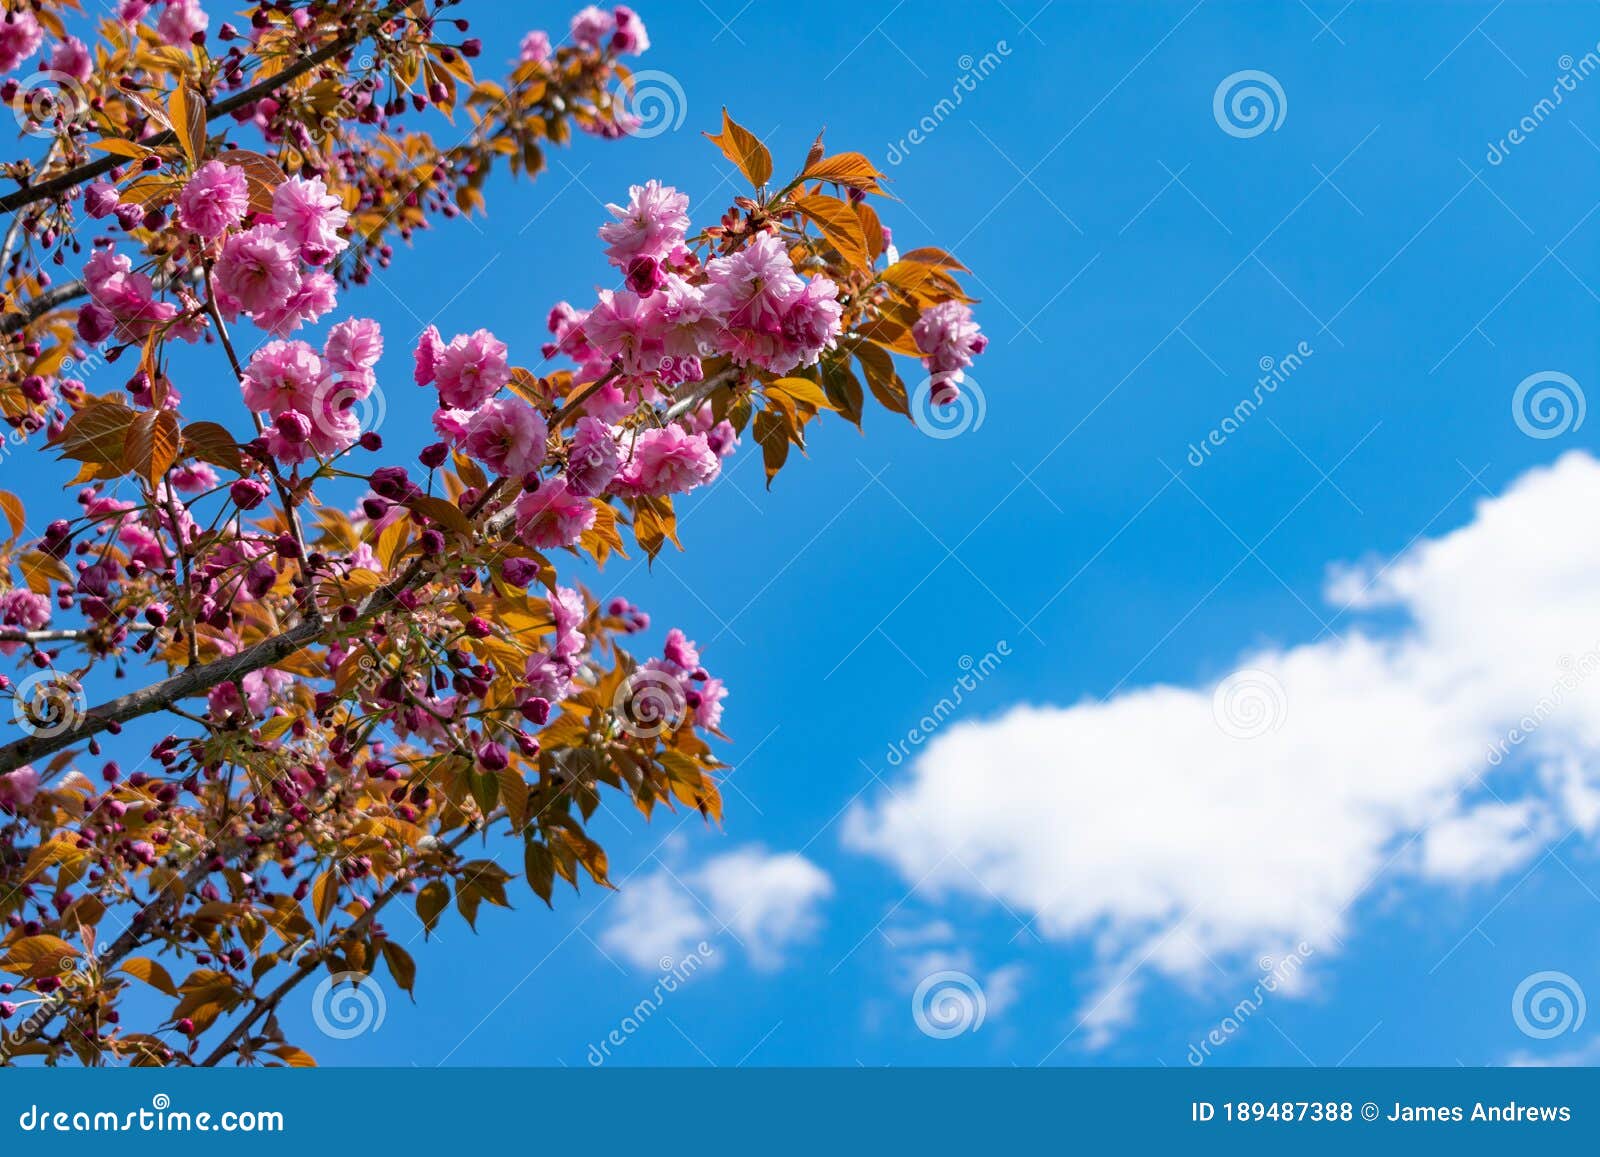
(1248, 103)
(653, 103)
(649, 702)
(48, 101)
(1547, 1004)
(348, 1004)
(1249, 703)
(943, 420)
(48, 704)
(1548, 404)
(338, 401)
(947, 1004)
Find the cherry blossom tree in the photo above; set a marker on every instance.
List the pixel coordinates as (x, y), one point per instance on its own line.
(350, 698)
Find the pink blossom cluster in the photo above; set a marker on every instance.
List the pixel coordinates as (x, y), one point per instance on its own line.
(22, 610)
(750, 306)
(123, 301)
(20, 37)
(620, 30)
(309, 398)
(180, 22)
(949, 339)
(272, 270)
(703, 694)
(17, 789)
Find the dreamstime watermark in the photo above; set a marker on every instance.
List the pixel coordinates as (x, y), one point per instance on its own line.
(944, 420)
(948, 1003)
(653, 103)
(48, 703)
(1274, 975)
(1274, 373)
(973, 73)
(1574, 671)
(975, 671)
(1573, 73)
(348, 1004)
(1248, 103)
(47, 102)
(1249, 703)
(674, 974)
(1547, 1004)
(649, 702)
(159, 1117)
(1548, 404)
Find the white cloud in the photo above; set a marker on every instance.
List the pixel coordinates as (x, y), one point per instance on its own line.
(1150, 825)
(764, 902)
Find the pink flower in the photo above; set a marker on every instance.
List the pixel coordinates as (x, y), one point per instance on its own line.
(628, 35)
(749, 289)
(507, 435)
(311, 218)
(626, 327)
(214, 200)
(680, 651)
(553, 516)
(17, 789)
(592, 458)
(812, 322)
(430, 348)
(451, 425)
(181, 20)
(535, 48)
(283, 375)
(471, 370)
(257, 270)
(767, 314)
(127, 296)
(20, 37)
(21, 609)
(316, 295)
(132, 11)
(949, 340)
(71, 58)
(590, 27)
(568, 612)
(193, 478)
(668, 460)
(653, 224)
(354, 346)
(707, 703)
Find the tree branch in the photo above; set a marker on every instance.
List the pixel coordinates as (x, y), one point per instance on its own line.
(58, 184)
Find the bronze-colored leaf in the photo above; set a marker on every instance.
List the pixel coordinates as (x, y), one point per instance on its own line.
(850, 169)
(839, 224)
(744, 149)
(211, 442)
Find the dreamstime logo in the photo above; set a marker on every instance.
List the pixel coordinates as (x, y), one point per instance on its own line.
(46, 100)
(1274, 373)
(947, 1004)
(649, 702)
(348, 1004)
(1547, 1004)
(974, 672)
(1249, 703)
(674, 975)
(1548, 404)
(1256, 103)
(653, 103)
(1573, 73)
(973, 73)
(48, 704)
(950, 419)
(1275, 974)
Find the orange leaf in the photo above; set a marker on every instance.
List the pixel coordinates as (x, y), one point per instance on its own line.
(744, 149)
(839, 225)
(851, 169)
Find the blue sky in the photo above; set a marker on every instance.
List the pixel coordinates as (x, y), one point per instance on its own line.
(1136, 263)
